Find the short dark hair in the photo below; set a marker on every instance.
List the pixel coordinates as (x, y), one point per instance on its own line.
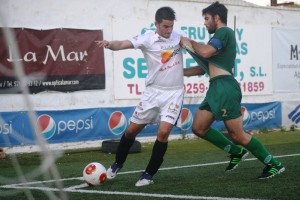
(165, 13)
(216, 9)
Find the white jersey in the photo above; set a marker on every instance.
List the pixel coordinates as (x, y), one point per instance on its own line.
(163, 57)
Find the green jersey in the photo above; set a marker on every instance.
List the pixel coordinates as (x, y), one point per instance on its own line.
(224, 42)
(224, 95)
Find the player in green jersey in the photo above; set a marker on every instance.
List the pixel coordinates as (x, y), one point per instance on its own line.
(223, 98)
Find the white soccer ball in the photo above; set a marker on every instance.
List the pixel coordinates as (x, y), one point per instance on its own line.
(94, 174)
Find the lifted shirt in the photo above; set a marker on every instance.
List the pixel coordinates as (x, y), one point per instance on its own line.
(224, 42)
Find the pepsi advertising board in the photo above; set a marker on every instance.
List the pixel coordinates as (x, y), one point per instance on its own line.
(258, 116)
(110, 123)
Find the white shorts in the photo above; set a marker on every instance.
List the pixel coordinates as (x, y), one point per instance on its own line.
(159, 105)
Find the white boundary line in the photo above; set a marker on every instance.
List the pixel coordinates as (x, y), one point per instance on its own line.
(129, 193)
(76, 188)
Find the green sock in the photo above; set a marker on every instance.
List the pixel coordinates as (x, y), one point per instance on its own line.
(222, 142)
(260, 152)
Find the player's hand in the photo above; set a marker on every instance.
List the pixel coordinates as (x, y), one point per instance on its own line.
(102, 43)
(186, 43)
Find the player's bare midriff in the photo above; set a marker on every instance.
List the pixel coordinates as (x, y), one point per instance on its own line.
(216, 71)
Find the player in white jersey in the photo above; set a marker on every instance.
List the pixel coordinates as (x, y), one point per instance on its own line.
(163, 96)
(163, 57)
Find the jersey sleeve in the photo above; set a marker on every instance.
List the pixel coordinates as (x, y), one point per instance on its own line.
(139, 41)
(219, 40)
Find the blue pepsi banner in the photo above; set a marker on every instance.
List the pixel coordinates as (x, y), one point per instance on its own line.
(262, 116)
(110, 123)
(256, 116)
(259, 116)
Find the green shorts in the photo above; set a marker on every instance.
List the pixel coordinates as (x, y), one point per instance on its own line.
(223, 98)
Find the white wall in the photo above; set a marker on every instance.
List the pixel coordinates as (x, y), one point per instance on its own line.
(98, 14)
(268, 2)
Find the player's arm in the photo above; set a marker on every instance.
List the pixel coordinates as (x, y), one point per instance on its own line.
(206, 51)
(193, 71)
(115, 44)
(186, 43)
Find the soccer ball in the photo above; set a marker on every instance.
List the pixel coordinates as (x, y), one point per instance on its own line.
(94, 174)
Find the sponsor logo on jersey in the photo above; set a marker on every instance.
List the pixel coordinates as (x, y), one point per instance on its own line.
(140, 106)
(166, 56)
(170, 117)
(117, 123)
(173, 108)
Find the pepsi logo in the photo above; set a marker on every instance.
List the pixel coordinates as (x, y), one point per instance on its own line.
(186, 119)
(47, 126)
(246, 116)
(117, 123)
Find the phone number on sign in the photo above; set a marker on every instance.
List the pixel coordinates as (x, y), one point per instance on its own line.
(200, 88)
(252, 86)
(195, 88)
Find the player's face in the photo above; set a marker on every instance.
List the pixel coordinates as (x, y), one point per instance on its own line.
(210, 23)
(164, 28)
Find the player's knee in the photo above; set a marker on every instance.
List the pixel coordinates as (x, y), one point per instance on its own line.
(238, 138)
(163, 136)
(235, 138)
(130, 134)
(198, 131)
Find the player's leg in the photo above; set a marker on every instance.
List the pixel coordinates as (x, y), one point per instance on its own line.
(234, 124)
(143, 114)
(205, 116)
(157, 157)
(236, 132)
(124, 146)
(127, 141)
(202, 122)
(159, 148)
(170, 102)
(201, 127)
(218, 101)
